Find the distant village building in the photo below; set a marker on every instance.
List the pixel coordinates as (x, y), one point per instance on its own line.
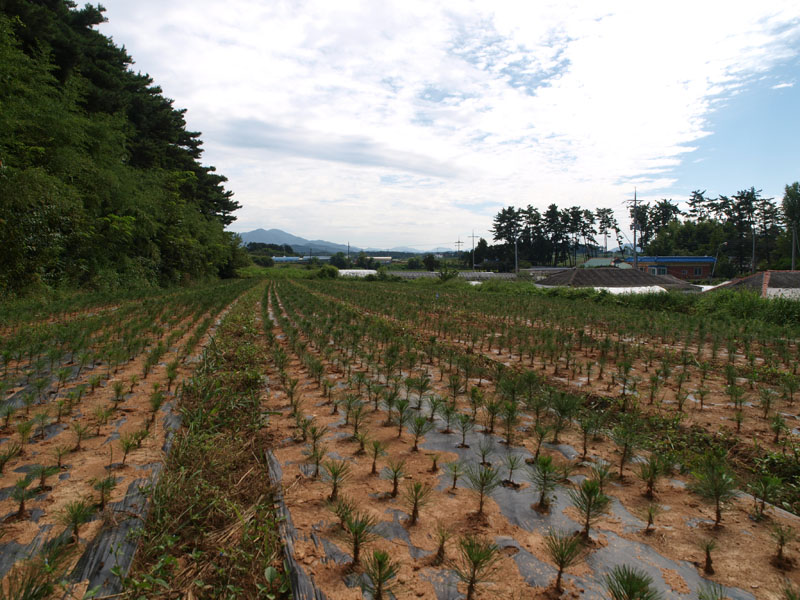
(538, 273)
(594, 263)
(769, 284)
(682, 267)
(611, 279)
(382, 260)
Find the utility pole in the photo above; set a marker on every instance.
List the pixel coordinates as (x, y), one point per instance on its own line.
(348, 251)
(635, 214)
(458, 244)
(473, 236)
(635, 223)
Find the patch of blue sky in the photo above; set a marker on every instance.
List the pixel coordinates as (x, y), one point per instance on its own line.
(479, 45)
(755, 141)
(523, 74)
(393, 83)
(409, 181)
(482, 207)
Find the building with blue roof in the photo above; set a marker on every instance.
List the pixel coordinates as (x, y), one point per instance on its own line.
(682, 267)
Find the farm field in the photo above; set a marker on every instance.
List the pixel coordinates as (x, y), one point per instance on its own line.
(341, 435)
(88, 390)
(447, 392)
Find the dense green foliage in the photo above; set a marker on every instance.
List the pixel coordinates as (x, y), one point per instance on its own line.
(100, 183)
(746, 229)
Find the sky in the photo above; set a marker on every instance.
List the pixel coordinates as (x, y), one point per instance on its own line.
(412, 123)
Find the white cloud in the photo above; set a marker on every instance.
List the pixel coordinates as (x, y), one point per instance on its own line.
(785, 84)
(393, 123)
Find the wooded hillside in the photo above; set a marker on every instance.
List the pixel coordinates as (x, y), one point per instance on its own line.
(101, 184)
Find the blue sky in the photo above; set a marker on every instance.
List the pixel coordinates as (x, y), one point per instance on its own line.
(755, 141)
(413, 123)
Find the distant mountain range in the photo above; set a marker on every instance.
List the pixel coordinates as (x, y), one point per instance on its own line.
(304, 246)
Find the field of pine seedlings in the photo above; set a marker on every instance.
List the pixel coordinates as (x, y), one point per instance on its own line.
(442, 442)
(353, 439)
(88, 387)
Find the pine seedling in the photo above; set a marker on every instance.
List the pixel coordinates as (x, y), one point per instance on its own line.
(156, 402)
(512, 462)
(402, 415)
(105, 486)
(316, 456)
(476, 563)
(485, 450)
(448, 413)
(708, 545)
(650, 512)
(590, 423)
(455, 470)
(544, 475)
(564, 550)
(316, 433)
(434, 407)
(24, 429)
(101, 416)
(9, 451)
(434, 463)
(590, 502)
(626, 436)
(357, 415)
(442, 533)
(715, 484)
(119, 391)
(60, 452)
(764, 490)
(791, 592)
(778, 426)
(127, 442)
(359, 530)
(62, 409)
(395, 471)
(628, 583)
(711, 591)
(7, 412)
(362, 438)
(540, 432)
(464, 424)
(28, 400)
(94, 381)
(336, 473)
(419, 427)
(416, 495)
(650, 471)
(376, 450)
(483, 480)
(342, 508)
(43, 472)
(782, 534)
(75, 514)
(381, 570)
(22, 492)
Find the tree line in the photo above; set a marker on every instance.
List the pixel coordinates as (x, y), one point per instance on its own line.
(101, 184)
(746, 229)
